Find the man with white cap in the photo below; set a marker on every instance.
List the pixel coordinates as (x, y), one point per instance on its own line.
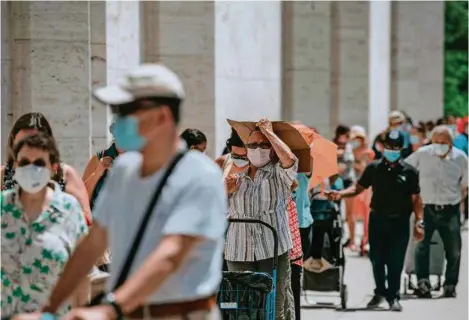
(177, 266)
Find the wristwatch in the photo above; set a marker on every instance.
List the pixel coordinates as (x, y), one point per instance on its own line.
(110, 299)
(420, 224)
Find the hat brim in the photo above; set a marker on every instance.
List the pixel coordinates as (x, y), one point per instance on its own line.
(113, 95)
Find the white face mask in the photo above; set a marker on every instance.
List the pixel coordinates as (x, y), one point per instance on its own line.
(259, 157)
(440, 149)
(240, 163)
(31, 178)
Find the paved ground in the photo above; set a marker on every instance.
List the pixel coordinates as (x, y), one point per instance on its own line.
(360, 283)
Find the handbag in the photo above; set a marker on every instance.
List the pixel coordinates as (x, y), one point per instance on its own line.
(141, 230)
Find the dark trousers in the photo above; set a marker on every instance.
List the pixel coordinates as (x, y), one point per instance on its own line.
(296, 272)
(305, 234)
(388, 239)
(317, 244)
(447, 221)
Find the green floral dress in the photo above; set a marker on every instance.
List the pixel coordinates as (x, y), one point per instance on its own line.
(34, 253)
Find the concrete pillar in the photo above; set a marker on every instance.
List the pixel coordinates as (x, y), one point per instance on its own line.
(308, 63)
(181, 35)
(379, 66)
(351, 34)
(248, 63)
(6, 87)
(122, 39)
(52, 48)
(418, 58)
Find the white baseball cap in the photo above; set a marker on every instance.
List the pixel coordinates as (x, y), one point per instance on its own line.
(146, 81)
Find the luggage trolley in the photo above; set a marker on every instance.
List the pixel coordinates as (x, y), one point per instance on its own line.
(331, 280)
(246, 294)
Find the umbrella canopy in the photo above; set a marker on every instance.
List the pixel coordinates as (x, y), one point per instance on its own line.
(286, 132)
(324, 154)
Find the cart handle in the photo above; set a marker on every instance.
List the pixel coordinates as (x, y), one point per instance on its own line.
(265, 224)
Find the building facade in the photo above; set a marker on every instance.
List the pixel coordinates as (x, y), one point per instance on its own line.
(322, 63)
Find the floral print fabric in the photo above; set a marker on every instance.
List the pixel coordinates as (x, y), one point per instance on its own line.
(34, 253)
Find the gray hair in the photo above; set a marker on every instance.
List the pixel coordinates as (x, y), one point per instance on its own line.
(445, 130)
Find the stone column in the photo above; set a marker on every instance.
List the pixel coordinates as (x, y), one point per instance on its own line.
(248, 68)
(379, 67)
(308, 63)
(6, 89)
(418, 58)
(352, 64)
(52, 48)
(123, 53)
(181, 35)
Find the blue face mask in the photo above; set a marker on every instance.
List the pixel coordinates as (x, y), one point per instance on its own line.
(392, 155)
(125, 132)
(414, 139)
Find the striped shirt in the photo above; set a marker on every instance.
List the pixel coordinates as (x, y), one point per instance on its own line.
(265, 198)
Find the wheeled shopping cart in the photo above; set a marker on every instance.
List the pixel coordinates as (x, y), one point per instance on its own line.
(249, 295)
(437, 261)
(331, 280)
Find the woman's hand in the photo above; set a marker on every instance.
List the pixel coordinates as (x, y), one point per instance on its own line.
(265, 126)
(232, 183)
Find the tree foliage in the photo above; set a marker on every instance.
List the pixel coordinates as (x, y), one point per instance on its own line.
(456, 58)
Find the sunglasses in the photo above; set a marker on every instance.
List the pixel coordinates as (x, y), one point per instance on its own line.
(262, 145)
(236, 156)
(126, 109)
(25, 162)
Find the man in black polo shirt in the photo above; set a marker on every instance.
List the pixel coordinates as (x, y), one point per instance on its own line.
(396, 194)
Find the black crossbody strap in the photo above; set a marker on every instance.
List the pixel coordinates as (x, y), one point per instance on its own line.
(141, 230)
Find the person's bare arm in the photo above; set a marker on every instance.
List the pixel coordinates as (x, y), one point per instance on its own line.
(283, 152)
(417, 205)
(91, 175)
(75, 187)
(164, 261)
(352, 191)
(220, 161)
(88, 251)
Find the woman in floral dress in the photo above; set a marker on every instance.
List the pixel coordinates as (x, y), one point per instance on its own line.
(40, 228)
(66, 176)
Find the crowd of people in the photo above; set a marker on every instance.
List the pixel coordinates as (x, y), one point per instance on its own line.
(142, 233)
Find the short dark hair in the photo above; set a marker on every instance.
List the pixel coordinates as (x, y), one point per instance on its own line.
(28, 121)
(341, 130)
(193, 137)
(41, 141)
(234, 140)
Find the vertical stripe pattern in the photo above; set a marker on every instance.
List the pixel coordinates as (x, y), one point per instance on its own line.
(265, 198)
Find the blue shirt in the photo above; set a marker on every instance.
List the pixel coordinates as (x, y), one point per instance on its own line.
(302, 201)
(460, 142)
(193, 203)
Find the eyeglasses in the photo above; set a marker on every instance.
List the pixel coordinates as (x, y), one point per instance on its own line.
(262, 145)
(25, 162)
(126, 109)
(236, 156)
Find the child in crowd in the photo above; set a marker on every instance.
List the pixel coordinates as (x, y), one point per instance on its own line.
(321, 210)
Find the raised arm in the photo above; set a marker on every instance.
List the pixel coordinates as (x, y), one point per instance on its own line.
(285, 155)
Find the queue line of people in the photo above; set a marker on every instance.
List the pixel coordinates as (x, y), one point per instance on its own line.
(259, 180)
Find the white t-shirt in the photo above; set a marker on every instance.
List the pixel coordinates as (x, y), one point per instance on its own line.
(193, 202)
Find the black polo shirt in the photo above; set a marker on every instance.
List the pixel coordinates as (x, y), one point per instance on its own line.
(393, 186)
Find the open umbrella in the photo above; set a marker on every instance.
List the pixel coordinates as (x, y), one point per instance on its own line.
(324, 154)
(286, 132)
